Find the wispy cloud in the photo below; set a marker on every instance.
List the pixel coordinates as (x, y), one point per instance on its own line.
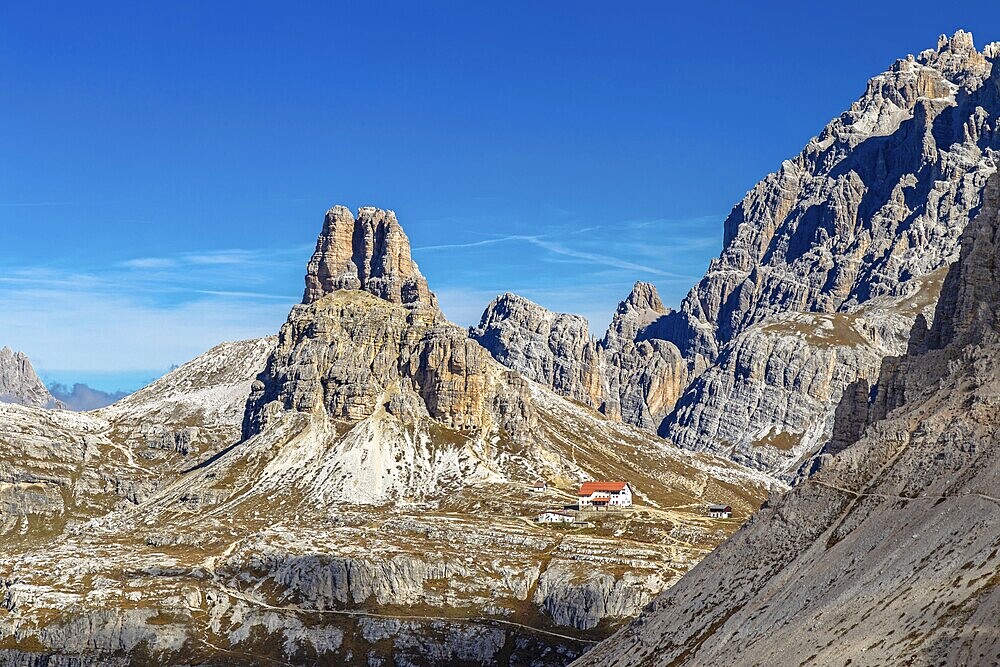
(597, 258)
(714, 220)
(144, 312)
(224, 257)
(569, 265)
(249, 295)
(559, 249)
(220, 258)
(476, 244)
(149, 263)
(87, 330)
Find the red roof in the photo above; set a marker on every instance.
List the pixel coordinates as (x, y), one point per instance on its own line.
(589, 488)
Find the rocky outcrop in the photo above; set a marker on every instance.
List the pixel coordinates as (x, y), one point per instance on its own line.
(555, 349)
(628, 375)
(645, 374)
(826, 264)
(852, 233)
(641, 308)
(346, 355)
(354, 490)
(20, 384)
(768, 400)
(370, 253)
(841, 569)
(583, 602)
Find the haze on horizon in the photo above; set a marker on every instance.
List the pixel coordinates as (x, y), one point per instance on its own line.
(166, 169)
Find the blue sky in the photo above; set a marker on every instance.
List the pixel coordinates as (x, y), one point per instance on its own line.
(165, 168)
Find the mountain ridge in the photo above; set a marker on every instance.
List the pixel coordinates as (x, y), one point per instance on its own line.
(905, 507)
(852, 235)
(300, 497)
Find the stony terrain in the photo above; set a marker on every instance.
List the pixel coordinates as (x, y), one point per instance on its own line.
(888, 554)
(849, 237)
(20, 384)
(768, 399)
(354, 491)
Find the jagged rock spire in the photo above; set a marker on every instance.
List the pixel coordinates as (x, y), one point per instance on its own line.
(370, 253)
(644, 297)
(639, 309)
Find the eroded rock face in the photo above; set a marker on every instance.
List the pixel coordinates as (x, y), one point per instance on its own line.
(555, 349)
(625, 376)
(853, 231)
(880, 196)
(583, 602)
(645, 373)
(370, 253)
(851, 234)
(349, 354)
(641, 308)
(20, 384)
(768, 400)
(902, 510)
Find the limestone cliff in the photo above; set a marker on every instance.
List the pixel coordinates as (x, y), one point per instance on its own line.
(370, 253)
(625, 375)
(646, 374)
(851, 237)
(854, 233)
(20, 384)
(768, 400)
(888, 553)
(880, 196)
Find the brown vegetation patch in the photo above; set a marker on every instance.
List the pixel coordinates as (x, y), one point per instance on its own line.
(782, 440)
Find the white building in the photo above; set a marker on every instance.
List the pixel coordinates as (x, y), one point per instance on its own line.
(601, 495)
(555, 516)
(538, 487)
(720, 511)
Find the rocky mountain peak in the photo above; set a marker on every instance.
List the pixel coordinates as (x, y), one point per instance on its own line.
(555, 349)
(644, 297)
(20, 384)
(850, 237)
(959, 43)
(624, 376)
(369, 253)
(957, 58)
(509, 304)
(640, 308)
(904, 510)
(369, 339)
